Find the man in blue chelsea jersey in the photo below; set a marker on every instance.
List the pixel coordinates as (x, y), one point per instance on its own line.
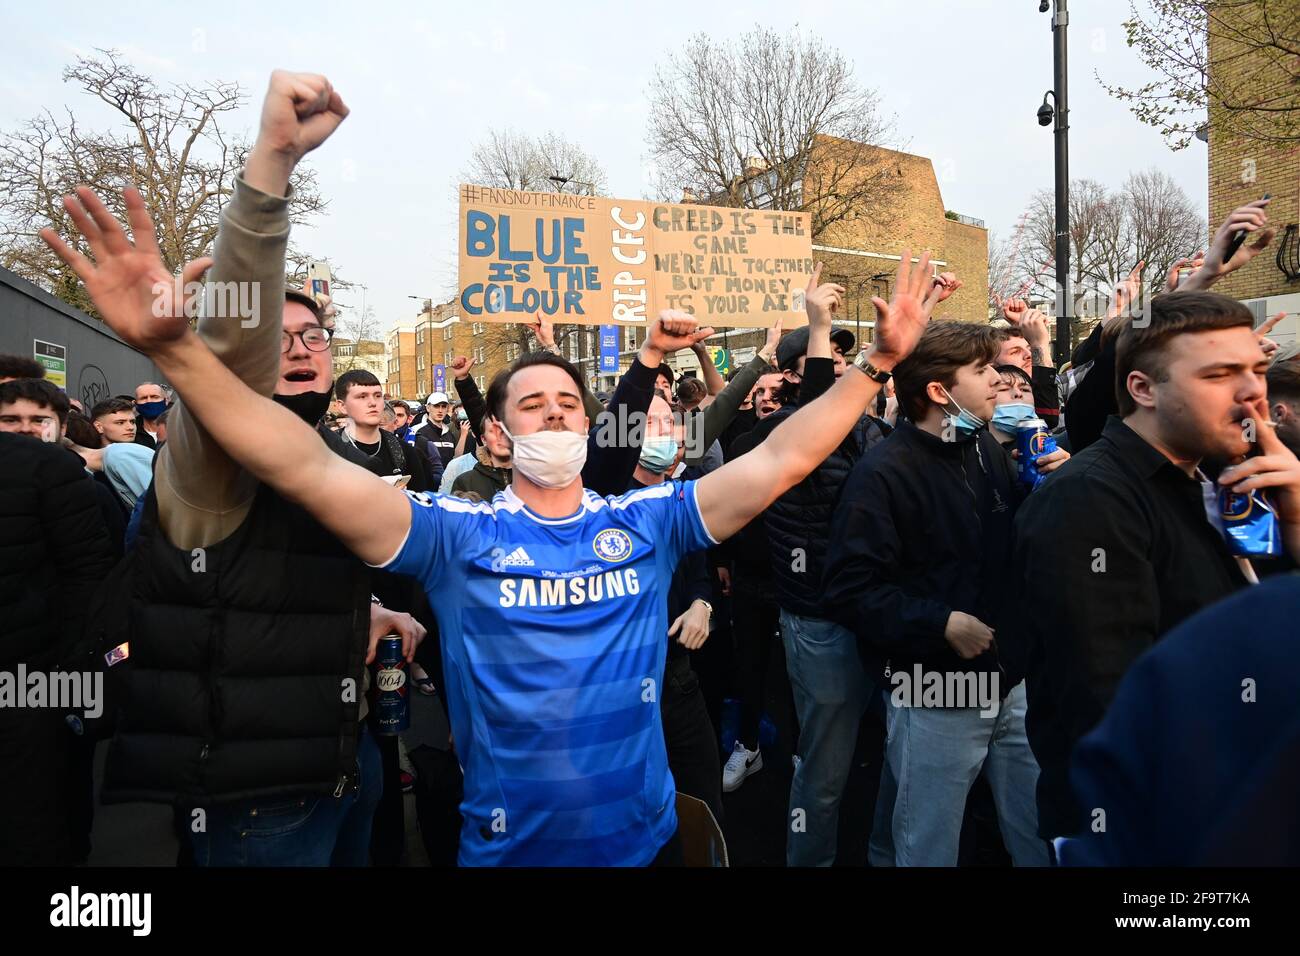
(555, 632)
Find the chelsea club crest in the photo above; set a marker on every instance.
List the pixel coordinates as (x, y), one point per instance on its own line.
(612, 545)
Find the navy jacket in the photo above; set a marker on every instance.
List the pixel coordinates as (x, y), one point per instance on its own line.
(1197, 762)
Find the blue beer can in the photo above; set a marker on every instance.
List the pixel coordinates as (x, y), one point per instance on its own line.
(392, 698)
(1033, 440)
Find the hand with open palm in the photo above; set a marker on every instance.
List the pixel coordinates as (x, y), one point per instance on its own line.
(139, 299)
(901, 321)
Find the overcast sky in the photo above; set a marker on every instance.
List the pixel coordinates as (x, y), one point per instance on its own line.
(426, 81)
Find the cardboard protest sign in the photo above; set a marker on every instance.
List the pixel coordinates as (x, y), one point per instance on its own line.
(595, 261)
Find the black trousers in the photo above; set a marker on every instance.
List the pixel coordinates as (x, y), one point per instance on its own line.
(757, 619)
(41, 799)
(388, 835)
(689, 735)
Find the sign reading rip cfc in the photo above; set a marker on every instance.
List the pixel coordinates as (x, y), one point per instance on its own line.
(595, 261)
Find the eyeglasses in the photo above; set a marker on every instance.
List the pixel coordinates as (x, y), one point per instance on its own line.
(315, 339)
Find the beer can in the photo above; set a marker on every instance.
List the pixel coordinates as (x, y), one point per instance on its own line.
(1249, 524)
(391, 690)
(1033, 439)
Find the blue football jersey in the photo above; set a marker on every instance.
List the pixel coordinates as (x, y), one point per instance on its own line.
(554, 633)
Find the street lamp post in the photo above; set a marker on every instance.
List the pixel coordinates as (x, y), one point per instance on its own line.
(1061, 114)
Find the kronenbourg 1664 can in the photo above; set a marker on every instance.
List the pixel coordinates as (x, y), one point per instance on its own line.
(1033, 440)
(392, 699)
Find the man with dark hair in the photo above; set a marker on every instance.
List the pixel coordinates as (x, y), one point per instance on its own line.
(1124, 539)
(385, 454)
(556, 638)
(54, 551)
(1283, 380)
(19, 366)
(918, 545)
(33, 406)
(114, 418)
(262, 725)
(830, 687)
(400, 425)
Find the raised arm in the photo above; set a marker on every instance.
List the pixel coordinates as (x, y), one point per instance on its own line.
(146, 306)
(203, 493)
(713, 380)
(721, 412)
(729, 497)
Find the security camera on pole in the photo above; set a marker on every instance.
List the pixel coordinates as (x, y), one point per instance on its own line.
(1060, 112)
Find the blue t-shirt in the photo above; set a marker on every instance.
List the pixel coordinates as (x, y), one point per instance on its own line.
(554, 632)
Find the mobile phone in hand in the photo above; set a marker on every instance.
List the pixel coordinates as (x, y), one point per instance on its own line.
(1235, 243)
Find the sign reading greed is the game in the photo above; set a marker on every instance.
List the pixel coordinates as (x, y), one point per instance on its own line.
(594, 261)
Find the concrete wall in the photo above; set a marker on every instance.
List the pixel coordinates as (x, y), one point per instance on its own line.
(100, 364)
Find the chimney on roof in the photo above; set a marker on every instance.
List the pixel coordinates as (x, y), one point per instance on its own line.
(688, 195)
(753, 166)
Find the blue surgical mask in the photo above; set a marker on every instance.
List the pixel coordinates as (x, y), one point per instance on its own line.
(658, 453)
(150, 410)
(964, 424)
(1007, 417)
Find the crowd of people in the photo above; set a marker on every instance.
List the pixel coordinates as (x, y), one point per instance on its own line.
(1085, 629)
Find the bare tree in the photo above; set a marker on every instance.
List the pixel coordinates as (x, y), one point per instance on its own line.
(358, 326)
(1150, 218)
(773, 121)
(511, 160)
(1238, 60)
(171, 147)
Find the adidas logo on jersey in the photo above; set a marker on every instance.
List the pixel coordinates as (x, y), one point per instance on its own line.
(518, 558)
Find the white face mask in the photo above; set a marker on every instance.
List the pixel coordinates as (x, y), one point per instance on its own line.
(548, 459)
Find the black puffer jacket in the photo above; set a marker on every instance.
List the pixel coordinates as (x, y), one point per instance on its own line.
(54, 550)
(246, 663)
(798, 523)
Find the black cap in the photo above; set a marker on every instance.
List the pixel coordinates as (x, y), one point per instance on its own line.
(795, 343)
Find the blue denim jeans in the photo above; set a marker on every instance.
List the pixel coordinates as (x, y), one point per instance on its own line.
(306, 830)
(935, 754)
(831, 691)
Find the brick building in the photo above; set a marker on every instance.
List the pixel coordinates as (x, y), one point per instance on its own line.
(399, 380)
(438, 338)
(366, 354)
(1242, 169)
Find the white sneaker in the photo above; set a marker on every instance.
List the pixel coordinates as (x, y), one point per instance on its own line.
(740, 765)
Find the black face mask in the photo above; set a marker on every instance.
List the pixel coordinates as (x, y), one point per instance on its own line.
(309, 406)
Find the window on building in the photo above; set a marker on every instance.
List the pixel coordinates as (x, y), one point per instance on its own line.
(446, 334)
(481, 382)
(419, 336)
(629, 338)
(448, 357)
(573, 347)
(478, 328)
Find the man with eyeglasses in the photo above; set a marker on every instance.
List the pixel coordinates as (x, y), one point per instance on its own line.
(250, 624)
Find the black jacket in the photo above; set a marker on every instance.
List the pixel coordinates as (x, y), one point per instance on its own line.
(54, 550)
(1112, 551)
(799, 522)
(482, 480)
(923, 528)
(142, 437)
(246, 662)
(442, 437)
